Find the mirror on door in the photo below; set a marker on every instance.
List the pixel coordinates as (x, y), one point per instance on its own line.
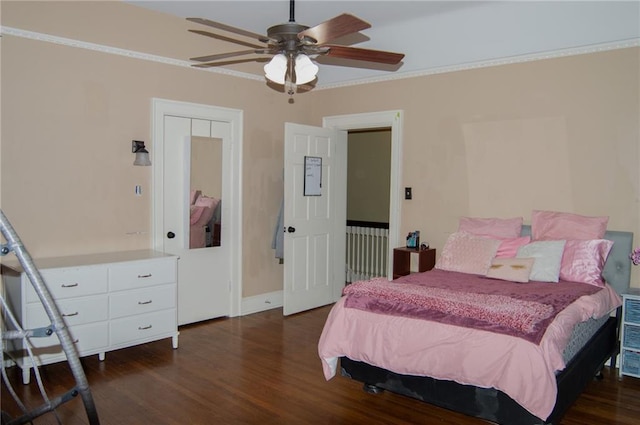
(205, 203)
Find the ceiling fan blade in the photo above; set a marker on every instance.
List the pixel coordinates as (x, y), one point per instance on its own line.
(215, 57)
(229, 28)
(368, 55)
(223, 38)
(334, 28)
(231, 62)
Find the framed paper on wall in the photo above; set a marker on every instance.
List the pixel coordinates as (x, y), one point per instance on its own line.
(312, 176)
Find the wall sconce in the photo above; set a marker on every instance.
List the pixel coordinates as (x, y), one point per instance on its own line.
(142, 155)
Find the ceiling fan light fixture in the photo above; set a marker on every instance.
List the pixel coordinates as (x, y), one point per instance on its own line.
(306, 70)
(293, 44)
(276, 69)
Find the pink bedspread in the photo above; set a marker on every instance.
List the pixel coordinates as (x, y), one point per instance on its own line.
(522, 310)
(522, 369)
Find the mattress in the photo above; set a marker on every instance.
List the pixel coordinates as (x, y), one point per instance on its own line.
(581, 335)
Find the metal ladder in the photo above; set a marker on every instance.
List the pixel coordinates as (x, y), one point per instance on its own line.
(57, 326)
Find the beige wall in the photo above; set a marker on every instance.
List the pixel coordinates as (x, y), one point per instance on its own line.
(559, 134)
(368, 175)
(69, 116)
(206, 166)
(490, 141)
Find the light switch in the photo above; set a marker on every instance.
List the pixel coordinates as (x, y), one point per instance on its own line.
(407, 193)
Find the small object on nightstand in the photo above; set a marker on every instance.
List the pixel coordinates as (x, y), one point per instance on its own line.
(630, 334)
(402, 260)
(413, 240)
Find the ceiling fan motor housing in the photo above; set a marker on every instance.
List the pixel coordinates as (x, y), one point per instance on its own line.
(286, 36)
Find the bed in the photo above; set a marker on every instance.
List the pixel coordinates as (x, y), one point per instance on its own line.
(395, 359)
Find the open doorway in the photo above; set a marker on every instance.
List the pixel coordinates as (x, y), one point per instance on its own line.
(368, 185)
(393, 122)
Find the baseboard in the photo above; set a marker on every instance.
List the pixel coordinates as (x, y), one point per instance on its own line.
(262, 302)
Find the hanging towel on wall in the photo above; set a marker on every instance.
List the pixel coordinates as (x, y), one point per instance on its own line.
(277, 242)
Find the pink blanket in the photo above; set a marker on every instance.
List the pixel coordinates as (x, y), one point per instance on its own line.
(411, 346)
(522, 310)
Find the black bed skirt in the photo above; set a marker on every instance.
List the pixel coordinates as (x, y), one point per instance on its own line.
(489, 403)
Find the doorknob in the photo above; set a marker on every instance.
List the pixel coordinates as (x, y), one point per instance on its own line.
(171, 235)
(291, 229)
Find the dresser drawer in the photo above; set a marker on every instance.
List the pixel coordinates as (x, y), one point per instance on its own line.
(139, 301)
(142, 327)
(632, 310)
(77, 311)
(71, 282)
(87, 339)
(631, 338)
(141, 273)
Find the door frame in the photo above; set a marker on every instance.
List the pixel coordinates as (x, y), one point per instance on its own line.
(233, 221)
(383, 119)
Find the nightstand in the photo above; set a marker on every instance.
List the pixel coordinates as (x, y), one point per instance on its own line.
(630, 334)
(402, 260)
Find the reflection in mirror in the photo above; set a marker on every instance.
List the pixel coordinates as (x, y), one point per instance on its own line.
(205, 223)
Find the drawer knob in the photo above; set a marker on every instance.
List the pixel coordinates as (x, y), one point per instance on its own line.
(142, 328)
(70, 314)
(143, 276)
(69, 285)
(171, 235)
(145, 302)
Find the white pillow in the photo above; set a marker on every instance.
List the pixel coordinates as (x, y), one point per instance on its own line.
(548, 259)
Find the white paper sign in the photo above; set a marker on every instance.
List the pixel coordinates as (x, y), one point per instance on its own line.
(312, 176)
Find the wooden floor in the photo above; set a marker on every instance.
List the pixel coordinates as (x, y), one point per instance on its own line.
(264, 369)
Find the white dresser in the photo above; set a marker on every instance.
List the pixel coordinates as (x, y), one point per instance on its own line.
(630, 334)
(109, 301)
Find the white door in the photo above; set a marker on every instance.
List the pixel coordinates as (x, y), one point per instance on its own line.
(315, 162)
(197, 156)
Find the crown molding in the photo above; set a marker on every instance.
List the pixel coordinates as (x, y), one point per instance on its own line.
(47, 38)
(594, 48)
(574, 51)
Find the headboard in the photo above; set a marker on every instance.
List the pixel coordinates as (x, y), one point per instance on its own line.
(617, 270)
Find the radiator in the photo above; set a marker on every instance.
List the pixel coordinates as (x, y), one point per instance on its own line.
(367, 249)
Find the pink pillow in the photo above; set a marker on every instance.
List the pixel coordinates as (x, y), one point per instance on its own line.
(551, 225)
(509, 247)
(583, 261)
(467, 253)
(492, 227)
(206, 201)
(196, 214)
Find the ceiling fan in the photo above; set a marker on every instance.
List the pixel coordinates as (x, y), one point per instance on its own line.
(292, 45)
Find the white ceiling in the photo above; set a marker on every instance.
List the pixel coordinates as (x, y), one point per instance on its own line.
(433, 35)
